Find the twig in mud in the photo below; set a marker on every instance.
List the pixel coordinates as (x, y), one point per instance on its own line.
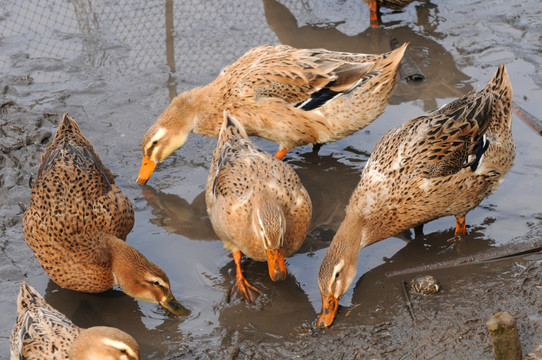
(498, 253)
(352, 309)
(408, 303)
(529, 118)
(408, 69)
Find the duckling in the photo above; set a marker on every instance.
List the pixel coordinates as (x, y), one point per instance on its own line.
(440, 164)
(78, 220)
(289, 96)
(42, 332)
(256, 203)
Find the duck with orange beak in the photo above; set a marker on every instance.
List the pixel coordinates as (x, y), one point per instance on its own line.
(256, 203)
(439, 164)
(290, 96)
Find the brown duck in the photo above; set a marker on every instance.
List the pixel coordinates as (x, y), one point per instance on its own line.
(78, 220)
(42, 332)
(256, 203)
(289, 96)
(440, 164)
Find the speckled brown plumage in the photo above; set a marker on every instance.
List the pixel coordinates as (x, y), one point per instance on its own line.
(443, 163)
(254, 200)
(287, 95)
(74, 203)
(78, 220)
(42, 332)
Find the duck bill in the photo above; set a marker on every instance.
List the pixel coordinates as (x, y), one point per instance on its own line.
(330, 304)
(276, 265)
(147, 167)
(171, 304)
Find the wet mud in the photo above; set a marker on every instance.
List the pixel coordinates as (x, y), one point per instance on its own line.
(114, 67)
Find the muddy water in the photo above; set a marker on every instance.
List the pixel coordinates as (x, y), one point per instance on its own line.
(115, 66)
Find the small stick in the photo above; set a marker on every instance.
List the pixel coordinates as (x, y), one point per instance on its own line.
(529, 118)
(408, 303)
(351, 309)
(501, 252)
(504, 336)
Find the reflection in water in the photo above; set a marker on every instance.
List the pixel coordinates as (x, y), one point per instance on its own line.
(444, 80)
(329, 182)
(176, 215)
(123, 36)
(125, 43)
(281, 307)
(376, 6)
(428, 249)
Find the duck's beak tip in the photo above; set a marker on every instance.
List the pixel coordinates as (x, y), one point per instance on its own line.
(175, 307)
(330, 305)
(146, 170)
(276, 264)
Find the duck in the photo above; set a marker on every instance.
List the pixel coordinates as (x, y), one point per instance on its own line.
(42, 332)
(256, 203)
(287, 95)
(78, 220)
(439, 164)
(375, 5)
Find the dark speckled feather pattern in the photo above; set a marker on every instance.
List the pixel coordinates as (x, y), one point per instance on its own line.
(287, 95)
(422, 170)
(241, 174)
(425, 160)
(42, 332)
(74, 206)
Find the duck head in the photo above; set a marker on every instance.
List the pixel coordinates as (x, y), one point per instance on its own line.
(166, 135)
(269, 224)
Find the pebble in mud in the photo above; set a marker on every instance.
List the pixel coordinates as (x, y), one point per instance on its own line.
(425, 284)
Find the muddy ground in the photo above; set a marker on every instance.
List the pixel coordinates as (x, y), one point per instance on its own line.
(112, 67)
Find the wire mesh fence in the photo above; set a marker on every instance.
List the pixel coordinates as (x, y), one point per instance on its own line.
(135, 34)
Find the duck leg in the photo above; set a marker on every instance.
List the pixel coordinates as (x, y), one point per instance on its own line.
(418, 231)
(249, 291)
(375, 15)
(281, 153)
(316, 147)
(460, 227)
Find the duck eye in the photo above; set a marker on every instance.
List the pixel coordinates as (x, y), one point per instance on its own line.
(123, 351)
(157, 283)
(155, 142)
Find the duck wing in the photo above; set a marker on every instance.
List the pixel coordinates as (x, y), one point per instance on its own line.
(440, 143)
(304, 78)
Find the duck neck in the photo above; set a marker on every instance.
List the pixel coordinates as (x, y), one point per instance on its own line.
(126, 262)
(207, 111)
(350, 238)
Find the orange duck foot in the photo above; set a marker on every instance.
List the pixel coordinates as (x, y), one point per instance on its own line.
(249, 291)
(281, 154)
(460, 228)
(375, 15)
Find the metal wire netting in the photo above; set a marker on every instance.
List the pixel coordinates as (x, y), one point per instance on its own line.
(133, 34)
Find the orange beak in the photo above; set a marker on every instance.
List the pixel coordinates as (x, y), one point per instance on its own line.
(276, 265)
(330, 304)
(147, 167)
